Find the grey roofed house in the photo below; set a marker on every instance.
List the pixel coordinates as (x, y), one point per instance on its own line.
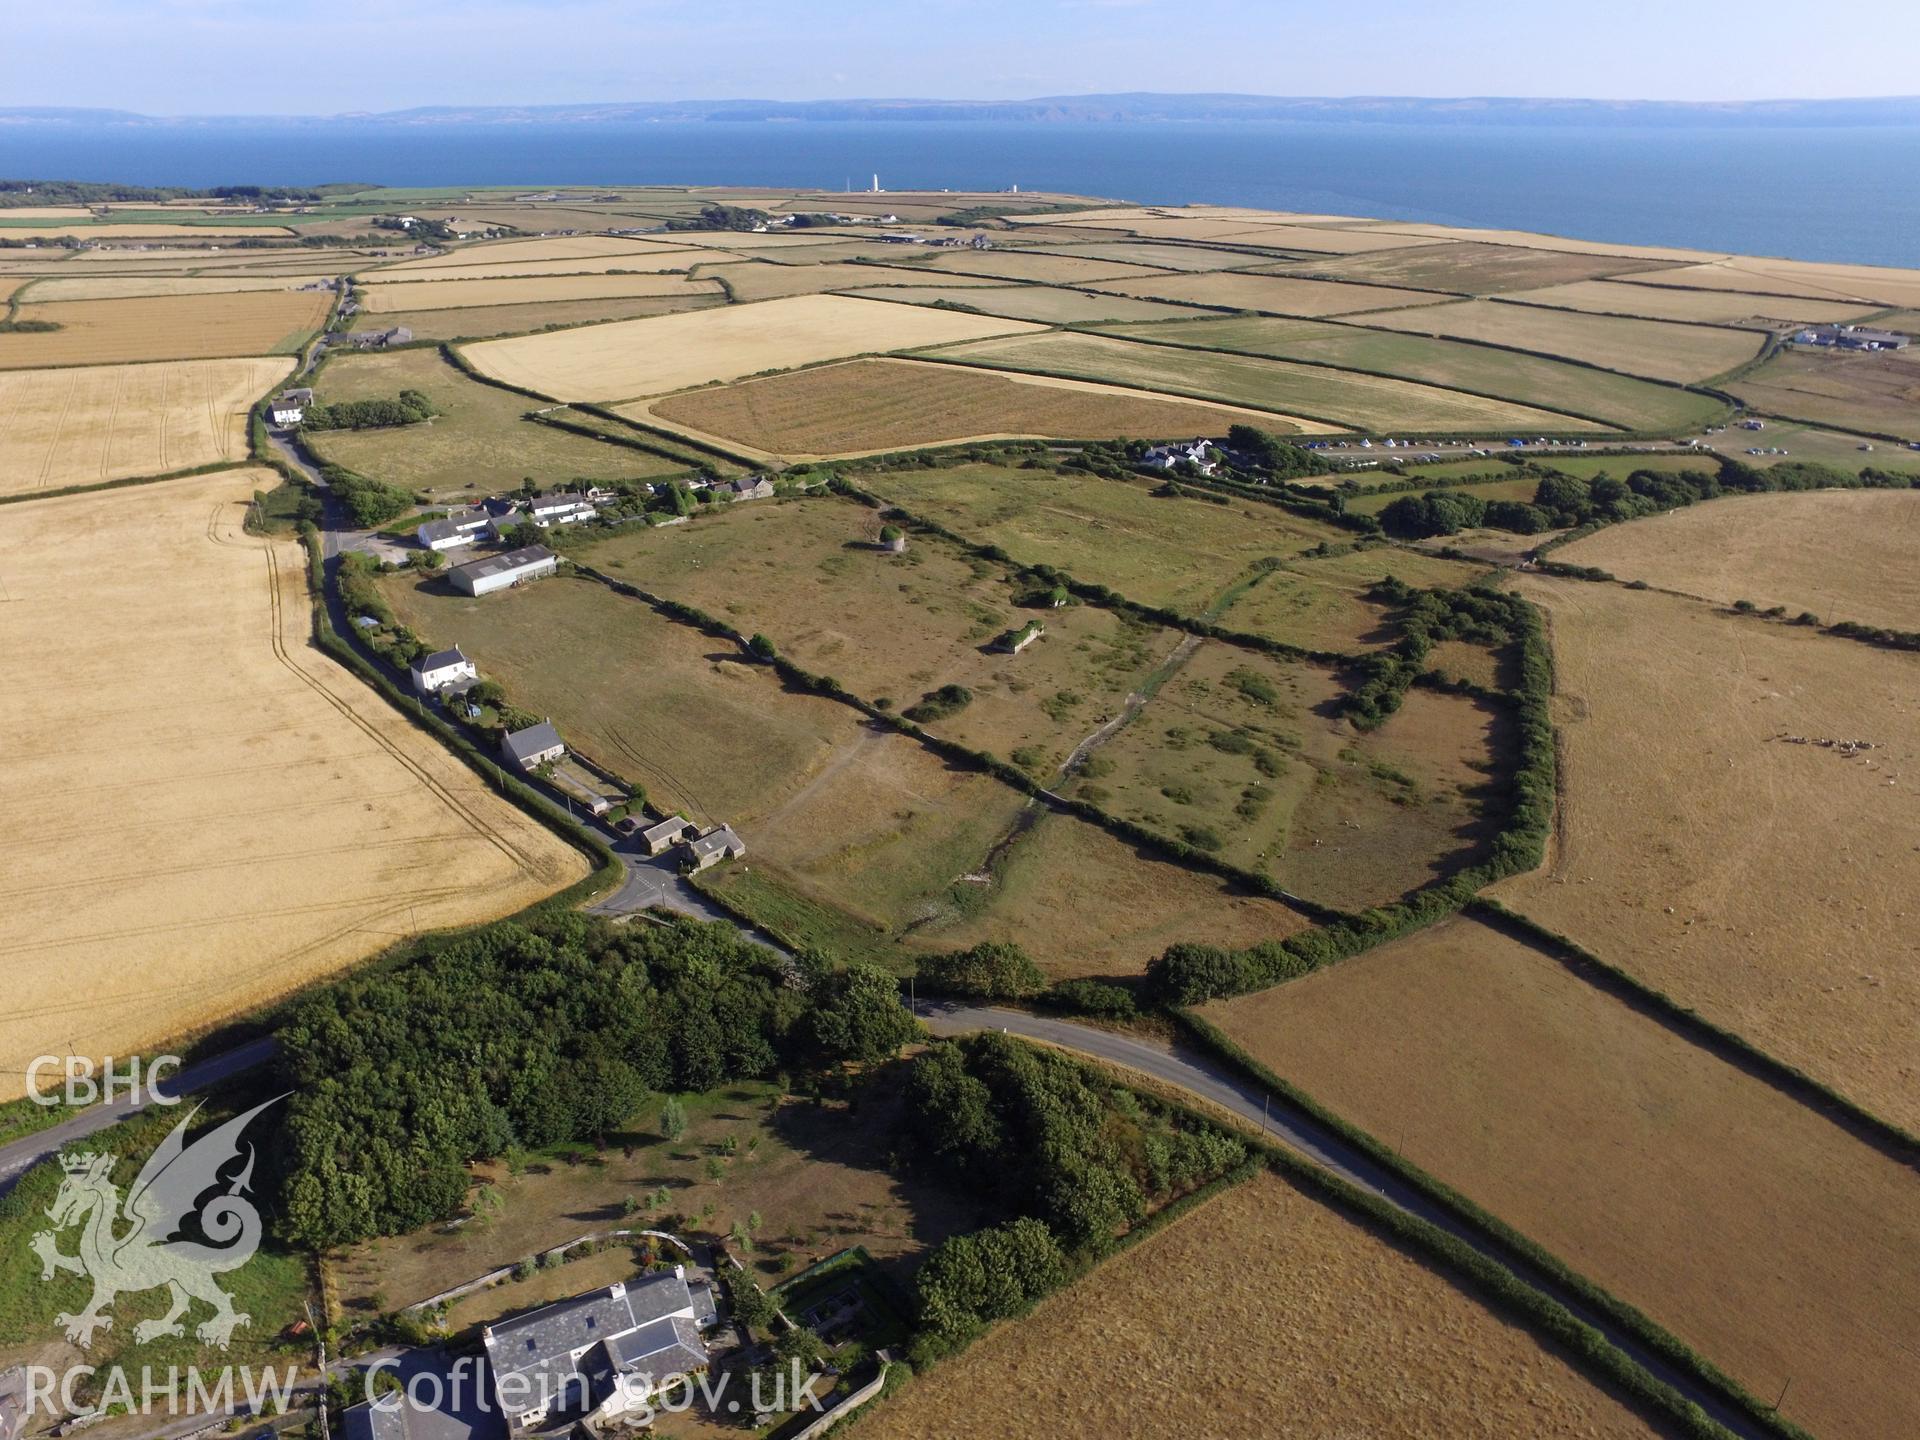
(568, 1358)
(528, 747)
(297, 397)
(666, 834)
(719, 843)
(439, 660)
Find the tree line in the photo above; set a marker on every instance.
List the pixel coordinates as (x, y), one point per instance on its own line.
(379, 412)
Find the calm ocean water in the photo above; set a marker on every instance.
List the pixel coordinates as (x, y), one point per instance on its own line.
(1820, 194)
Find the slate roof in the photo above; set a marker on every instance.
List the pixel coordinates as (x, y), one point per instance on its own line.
(631, 1323)
(720, 838)
(440, 659)
(522, 745)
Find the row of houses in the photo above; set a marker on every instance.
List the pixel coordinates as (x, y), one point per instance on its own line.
(493, 519)
(1852, 337)
(1198, 453)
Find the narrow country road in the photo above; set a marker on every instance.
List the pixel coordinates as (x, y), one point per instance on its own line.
(1208, 1078)
(23, 1154)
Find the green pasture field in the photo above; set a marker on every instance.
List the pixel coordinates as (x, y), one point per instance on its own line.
(810, 575)
(479, 442)
(1554, 385)
(1496, 487)
(486, 322)
(1842, 389)
(1321, 603)
(1159, 551)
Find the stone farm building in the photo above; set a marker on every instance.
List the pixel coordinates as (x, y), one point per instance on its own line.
(499, 572)
(533, 746)
(711, 847)
(668, 833)
(597, 1358)
(436, 672)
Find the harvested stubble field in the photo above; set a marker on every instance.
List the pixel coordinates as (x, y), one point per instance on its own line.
(1274, 294)
(1252, 750)
(1767, 884)
(1341, 397)
(167, 327)
(1551, 385)
(1529, 240)
(648, 261)
(651, 357)
(1044, 268)
(478, 442)
(810, 576)
(557, 249)
(1767, 1238)
(1863, 283)
(93, 423)
(1467, 267)
(1705, 307)
(1158, 551)
(1085, 904)
(1312, 1316)
(452, 294)
(1879, 392)
(139, 287)
(875, 406)
(102, 231)
(1043, 303)
(485, 322)
(749, 280)
(1162, 257)
(269, 819)
(1327, 239)
(1321, 604)
(1656, 349)
(1843, 554)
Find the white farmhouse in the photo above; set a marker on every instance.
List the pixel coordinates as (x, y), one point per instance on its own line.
(459, 527)
(434, 673)
(566, 509)
(289, 407)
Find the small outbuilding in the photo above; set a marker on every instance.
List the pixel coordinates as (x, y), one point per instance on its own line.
(668, 833)
(710, 847)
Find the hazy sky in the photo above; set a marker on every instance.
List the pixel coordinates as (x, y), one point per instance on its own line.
(226, 56)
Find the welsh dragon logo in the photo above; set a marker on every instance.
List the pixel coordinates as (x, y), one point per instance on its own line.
(142, 1244)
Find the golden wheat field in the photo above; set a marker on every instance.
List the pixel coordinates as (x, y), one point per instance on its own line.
(530, 290)
(203, 812)
(167, 327)
(91, 423)
(871, 406)
(1766, 883)
(1262, 1312)
(634, 358)
(1766, 1237)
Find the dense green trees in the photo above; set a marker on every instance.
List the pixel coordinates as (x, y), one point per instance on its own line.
(939, 704)
(535, 1033)
(989, 971)
(409, 409)
(368, 502)
(989, 1275)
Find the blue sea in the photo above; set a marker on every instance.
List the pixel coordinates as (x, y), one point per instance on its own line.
(1838, 193)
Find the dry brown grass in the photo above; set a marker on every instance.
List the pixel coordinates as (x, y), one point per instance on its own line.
(1023, 265)
(1085, 904)
(1468, 267)
(93, 423)
(1843, 554)
(1764, 1236)
(1273, 294)
(204, 813)
(1715, 307)
(1877, 392)
(1768, 885)
(873, 406)
(651, 357)
(1653, 348)
(594, 250)
(166, 327)
(1301, 1322)
(451, 294)
(648, 261)
(1877, 283)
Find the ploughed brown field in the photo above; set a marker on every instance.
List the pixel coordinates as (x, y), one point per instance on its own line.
(1261, 1312)
(1768, 884)
(1769, 1239)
